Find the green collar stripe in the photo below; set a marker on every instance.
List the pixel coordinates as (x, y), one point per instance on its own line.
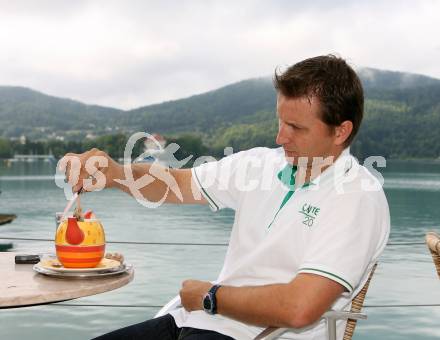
(348, 285)
(287, 177)
(204, 191)
(286, 198)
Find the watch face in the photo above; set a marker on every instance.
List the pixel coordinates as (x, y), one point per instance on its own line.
(207, 303)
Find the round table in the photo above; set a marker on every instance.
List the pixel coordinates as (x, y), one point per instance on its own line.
(21, 286)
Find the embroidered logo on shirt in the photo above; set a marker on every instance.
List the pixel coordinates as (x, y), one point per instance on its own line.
(310, 213)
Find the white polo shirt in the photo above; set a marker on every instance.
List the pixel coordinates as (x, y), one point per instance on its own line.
(335, 226)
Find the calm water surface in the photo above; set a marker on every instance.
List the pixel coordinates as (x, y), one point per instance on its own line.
(405, 274)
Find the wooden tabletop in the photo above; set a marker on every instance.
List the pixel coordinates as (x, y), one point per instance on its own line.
(21, 286)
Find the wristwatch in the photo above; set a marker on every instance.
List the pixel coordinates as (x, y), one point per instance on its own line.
(210, 300)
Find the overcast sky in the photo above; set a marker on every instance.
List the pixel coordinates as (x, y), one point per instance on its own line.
(127, 54)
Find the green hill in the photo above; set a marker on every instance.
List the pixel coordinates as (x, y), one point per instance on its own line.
(36, 115)
(403, 123)
(402, 116)
(209, 111)
(390, 80)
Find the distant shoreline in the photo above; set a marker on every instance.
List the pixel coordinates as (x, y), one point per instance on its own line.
(411, 159)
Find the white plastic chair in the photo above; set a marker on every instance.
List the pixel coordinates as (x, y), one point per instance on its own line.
(330, 317)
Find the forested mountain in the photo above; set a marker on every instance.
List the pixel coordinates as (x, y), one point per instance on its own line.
(34, 114)
(390, 80)
(402, 116)
(226, 106)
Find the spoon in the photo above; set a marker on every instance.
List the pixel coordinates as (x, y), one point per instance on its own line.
(75, 197)
(70, 203)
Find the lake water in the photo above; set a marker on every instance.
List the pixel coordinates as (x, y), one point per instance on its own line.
(405, 275)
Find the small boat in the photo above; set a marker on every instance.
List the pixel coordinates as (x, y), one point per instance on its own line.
(5, 246)
(7, 218)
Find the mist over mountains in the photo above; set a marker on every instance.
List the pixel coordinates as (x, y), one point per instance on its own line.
(402, 116)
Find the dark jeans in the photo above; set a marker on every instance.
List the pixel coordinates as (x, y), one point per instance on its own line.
(163, 328)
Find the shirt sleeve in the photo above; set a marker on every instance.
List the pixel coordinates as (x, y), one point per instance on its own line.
(217, 181)
(351, 234)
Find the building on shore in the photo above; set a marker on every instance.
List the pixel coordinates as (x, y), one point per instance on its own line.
(153, 149)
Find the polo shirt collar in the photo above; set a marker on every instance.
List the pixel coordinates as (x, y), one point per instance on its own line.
(287, 174)
(287, 177)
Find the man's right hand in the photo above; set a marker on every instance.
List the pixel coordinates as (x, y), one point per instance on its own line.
(96, 170)
(91, 170)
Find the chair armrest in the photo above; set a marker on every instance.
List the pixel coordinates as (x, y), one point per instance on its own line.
(341, 315)
(173, 304)
(271, 333)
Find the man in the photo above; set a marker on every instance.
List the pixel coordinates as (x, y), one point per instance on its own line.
(310, 221)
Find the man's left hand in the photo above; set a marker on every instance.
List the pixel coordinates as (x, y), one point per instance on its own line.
(192, 293)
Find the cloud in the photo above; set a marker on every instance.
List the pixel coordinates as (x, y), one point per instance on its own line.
(129, 54)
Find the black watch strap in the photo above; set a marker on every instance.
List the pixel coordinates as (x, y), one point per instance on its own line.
(213, 292)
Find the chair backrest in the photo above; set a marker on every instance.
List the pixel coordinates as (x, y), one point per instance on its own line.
(356, 306)
(433, 242)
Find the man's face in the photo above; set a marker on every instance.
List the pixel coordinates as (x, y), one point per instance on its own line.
(301, 132)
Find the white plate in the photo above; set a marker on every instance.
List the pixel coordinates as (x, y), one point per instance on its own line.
(124, 268)
(50, 263)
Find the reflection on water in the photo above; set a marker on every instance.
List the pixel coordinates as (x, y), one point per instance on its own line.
(405, 274)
